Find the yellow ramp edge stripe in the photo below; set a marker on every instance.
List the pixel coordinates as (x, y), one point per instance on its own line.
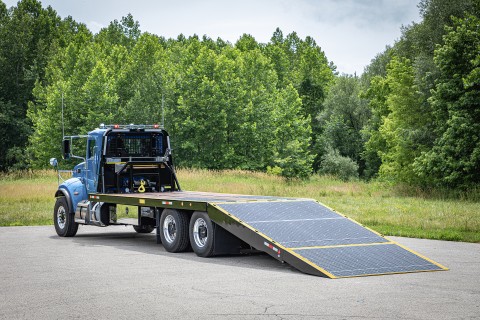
(328, 274)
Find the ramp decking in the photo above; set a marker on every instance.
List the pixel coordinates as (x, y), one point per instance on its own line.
(302, 232)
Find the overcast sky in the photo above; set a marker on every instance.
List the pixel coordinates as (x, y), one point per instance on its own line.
(350, 32)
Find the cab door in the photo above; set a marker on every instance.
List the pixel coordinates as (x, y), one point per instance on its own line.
(93, 162)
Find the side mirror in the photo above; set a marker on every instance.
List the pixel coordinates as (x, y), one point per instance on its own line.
(66, 149)
(53, 162)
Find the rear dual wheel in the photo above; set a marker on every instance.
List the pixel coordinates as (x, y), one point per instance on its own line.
(178, 230)
(174, 230)
(201, 233)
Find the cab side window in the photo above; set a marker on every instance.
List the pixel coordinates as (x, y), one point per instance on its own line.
(91, 148)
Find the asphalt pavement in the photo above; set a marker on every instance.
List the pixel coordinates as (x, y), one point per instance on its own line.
(115, 273)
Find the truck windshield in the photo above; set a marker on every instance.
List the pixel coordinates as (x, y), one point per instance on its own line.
(134, 145)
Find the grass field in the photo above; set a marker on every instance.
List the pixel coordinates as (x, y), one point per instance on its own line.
(391, 210)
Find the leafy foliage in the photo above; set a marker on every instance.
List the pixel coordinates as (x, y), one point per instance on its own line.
(224, 105)
(412, 117)
(424, 103)
(345, 114)
(375, 143)
(339, 166)
(454, 159)
(29, 36)
(403, 129)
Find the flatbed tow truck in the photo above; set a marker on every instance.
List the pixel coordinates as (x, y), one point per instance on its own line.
(127, 177)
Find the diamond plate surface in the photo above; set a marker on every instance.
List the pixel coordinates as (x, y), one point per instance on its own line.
(327, 239)
(281, 210)
(322, 232)
(301, 223)
(367, 260)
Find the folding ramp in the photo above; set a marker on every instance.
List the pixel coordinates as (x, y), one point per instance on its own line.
(314, 238)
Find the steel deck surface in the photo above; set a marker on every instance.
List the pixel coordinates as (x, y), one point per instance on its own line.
(196, 196)
(302, 223)
(367, 260)
(327, 240)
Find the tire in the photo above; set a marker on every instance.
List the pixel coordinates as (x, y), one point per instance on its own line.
(202, 233)
(63, 219)
(144, 229)
(174, 230)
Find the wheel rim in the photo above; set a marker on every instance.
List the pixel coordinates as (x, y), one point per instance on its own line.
(169, 229)
(200, 232)
(61, 217)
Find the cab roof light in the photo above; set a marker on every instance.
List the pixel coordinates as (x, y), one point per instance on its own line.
(130, 126)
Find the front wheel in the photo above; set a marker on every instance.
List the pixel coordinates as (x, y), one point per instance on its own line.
(201, 232)
(63, 219)
(174, 230)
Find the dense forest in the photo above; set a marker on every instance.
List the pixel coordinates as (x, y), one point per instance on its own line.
(412, 117)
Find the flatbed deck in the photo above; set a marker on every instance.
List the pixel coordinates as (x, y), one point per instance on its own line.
(196, 196)
(191, 200)
(302, 232)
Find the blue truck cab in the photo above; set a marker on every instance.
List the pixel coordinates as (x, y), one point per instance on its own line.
(117, 159)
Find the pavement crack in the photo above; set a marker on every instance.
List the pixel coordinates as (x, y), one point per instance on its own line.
(268, 307)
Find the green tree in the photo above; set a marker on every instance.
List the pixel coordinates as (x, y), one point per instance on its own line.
(246, 42)
(253, 123)
(64, 80)
(12, 155)
(223, 105)
(334, 164)
(29, 37)
(417, 44)
(375, 143)
(202, 121)
(302, 64)
(143, 79)
(454, 159)
(292, 137)
(345, 114)
(124, 32)
(99, 97)
(26, 33)
(405, 127)
(376, 68)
